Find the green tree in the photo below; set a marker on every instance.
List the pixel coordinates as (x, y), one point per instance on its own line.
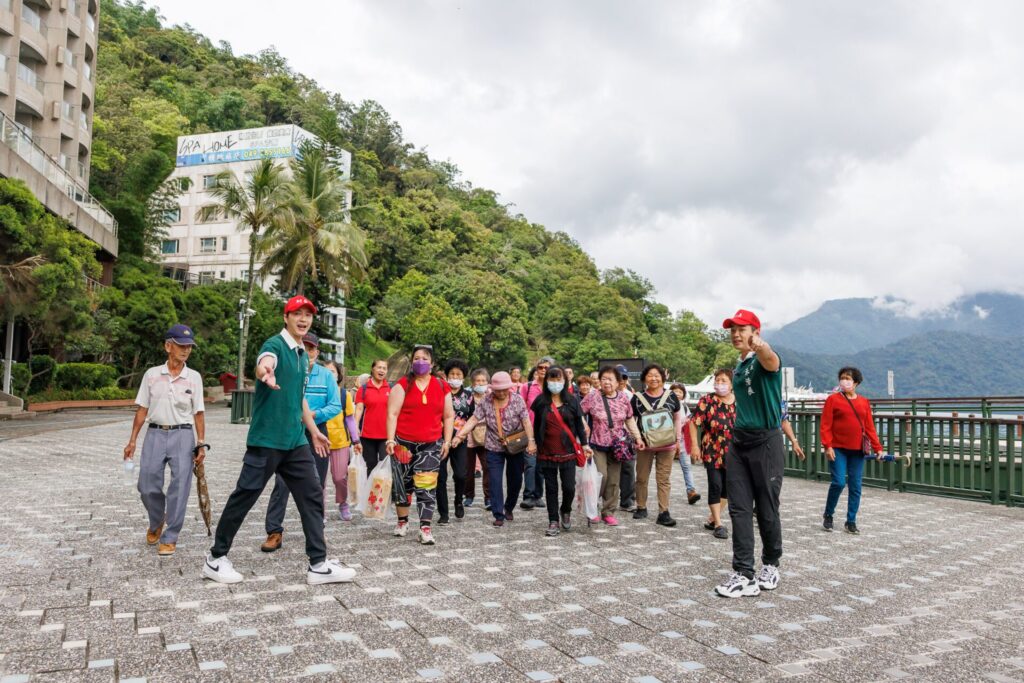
(44, 266)
(314, 237)
(257, 204)
(435, 322)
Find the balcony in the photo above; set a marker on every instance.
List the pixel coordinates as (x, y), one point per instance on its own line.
(67, 111)
(32, 29)
(69, 58)
(87, 71)
(83, 121)
(73, 7)
(31, 17)
(20, 142)
(90, 22)
(28, 91)
(4, 77)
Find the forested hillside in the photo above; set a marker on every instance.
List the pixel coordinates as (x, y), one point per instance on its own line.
(448, 262)
(935, 364)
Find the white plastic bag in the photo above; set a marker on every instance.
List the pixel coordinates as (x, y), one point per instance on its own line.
(376, 499)
(356, 479)
(588, 490)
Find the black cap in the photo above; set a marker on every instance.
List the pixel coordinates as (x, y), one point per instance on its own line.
(310, 339)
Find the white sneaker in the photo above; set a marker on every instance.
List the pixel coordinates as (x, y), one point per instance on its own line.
(220, 570)
(329, 571)
(426, 536)
(768, 578)
(401, 529)
(738, 586)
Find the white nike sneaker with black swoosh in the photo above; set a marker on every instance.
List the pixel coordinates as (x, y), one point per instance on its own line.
(329, 571)
(220, 570)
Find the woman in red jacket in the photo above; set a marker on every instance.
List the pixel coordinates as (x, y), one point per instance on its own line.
(845, 421)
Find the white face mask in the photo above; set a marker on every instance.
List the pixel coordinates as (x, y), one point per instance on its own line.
(846, 384)
(455, 383)
(722, 389)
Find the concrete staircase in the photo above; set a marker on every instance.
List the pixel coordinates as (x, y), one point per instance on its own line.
(13, 408)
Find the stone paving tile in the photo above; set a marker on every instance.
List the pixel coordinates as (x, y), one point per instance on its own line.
(83, 598)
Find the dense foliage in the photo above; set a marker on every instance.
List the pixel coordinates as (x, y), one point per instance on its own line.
(446, 262)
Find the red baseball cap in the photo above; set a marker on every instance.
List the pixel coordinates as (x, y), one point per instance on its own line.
(743, 317)
(297, 302)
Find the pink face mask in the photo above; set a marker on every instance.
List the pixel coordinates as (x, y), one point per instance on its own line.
(722, 389)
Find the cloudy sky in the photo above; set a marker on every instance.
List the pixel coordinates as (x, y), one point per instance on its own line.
(769, 155)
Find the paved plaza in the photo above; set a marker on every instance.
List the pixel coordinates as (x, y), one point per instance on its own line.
(930, 591)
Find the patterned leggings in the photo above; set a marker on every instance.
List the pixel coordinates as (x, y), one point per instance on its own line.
(419, 474)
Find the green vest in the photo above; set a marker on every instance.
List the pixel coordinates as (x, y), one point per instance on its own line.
(758, 395)
(277, 413)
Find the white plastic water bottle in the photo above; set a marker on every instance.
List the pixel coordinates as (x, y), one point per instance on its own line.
(128, 476)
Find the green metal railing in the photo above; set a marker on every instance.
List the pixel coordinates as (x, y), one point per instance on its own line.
(972, 457)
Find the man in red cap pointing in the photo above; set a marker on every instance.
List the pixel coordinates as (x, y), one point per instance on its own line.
(277, 444)
(755, 459)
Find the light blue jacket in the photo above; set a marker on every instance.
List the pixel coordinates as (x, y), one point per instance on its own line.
(322, 394)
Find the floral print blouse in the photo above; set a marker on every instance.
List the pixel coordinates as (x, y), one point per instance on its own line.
(715, 419)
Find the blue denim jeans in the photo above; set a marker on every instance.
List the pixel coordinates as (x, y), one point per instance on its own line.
(684, 465)
(847, 470)
(511, 466)
(533, 478)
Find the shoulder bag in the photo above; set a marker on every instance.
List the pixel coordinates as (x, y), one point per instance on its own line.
(514, 443)
(865, 440)
(581, 459)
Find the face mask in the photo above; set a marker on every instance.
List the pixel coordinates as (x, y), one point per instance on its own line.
(420, 367)
(480, 389)
(846, 384)
(722, 389)
(556, 387)
(455, 383)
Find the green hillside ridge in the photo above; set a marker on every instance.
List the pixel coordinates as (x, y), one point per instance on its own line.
(928, 365)
(449, 263)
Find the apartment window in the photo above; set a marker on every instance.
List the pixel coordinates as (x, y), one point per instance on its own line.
(173, 215)
(209, 214)
(207, 245)
(209, 182)
(169, 247)
(223, 245)
(222, 273)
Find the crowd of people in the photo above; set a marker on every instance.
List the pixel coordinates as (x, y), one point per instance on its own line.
(524, 438)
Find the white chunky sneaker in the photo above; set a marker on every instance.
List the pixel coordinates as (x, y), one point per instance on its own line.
(401, 529)
(738, 586)
(768, 578)
(329, 571)
(220, 570)
(426, 536)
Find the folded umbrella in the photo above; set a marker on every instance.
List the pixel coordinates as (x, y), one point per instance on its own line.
(199, 470)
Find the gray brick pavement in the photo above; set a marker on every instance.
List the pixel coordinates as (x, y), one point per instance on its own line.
(928, 592)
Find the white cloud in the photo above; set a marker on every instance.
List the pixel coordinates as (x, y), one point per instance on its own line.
(761, 154)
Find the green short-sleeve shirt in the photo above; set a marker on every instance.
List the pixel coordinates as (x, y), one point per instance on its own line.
(277, 413)
(758, 395)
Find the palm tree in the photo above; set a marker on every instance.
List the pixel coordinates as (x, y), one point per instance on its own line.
(257, 204)
(315, 237)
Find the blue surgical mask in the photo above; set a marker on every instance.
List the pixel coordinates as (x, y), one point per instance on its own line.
(556, 387)
(455, 383)
(480, 389)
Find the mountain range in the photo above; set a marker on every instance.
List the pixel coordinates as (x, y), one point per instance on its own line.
(968, 349)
